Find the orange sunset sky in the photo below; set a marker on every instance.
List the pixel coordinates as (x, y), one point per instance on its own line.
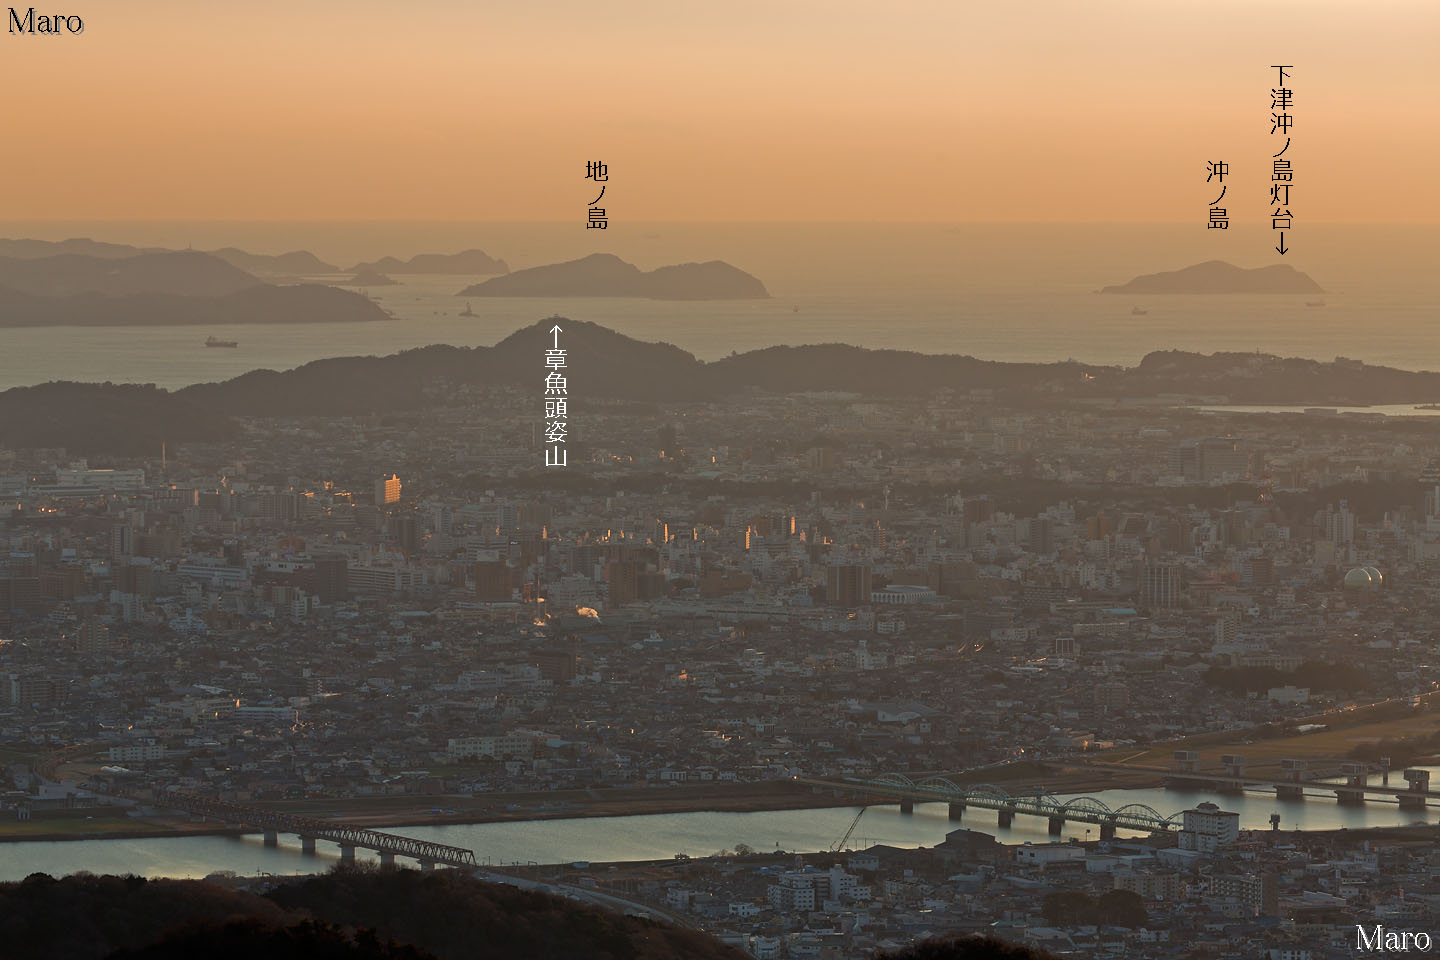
(741, 110)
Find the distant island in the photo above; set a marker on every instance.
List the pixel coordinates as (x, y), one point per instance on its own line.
(606, 275)
(369, 277)
(473, 262)
(1217, 276)
(161, 288)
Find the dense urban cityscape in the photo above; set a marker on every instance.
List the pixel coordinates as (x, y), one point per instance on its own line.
(696, 481)
(405, 618)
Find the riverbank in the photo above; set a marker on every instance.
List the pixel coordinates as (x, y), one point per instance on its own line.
(1338, 735)
(437, 810)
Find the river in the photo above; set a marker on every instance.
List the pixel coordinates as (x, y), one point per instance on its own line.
(601, 839)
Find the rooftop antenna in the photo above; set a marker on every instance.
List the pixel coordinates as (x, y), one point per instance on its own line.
(164, 468)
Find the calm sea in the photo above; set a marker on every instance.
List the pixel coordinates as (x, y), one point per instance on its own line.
(1001, 292)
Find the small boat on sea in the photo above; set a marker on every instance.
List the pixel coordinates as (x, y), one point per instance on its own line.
(1137, 312)
(1314, 303)
(217, 342)
(467, 312)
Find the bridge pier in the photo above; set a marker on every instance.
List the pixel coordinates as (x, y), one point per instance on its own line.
(427, 866)
(1418, 782)
(1350, 797)
(1057, 826)
(957, 812)
(387, 858)
(1007, 817)
(307, 845)
(272, 838)
(907, 806)
(1285, 791)
(347, 853)
(1107, 831)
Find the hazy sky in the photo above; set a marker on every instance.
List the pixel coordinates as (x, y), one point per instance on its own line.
(741, 110)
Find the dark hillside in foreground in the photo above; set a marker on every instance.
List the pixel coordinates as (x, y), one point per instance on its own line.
(966, 948)
(400, 914)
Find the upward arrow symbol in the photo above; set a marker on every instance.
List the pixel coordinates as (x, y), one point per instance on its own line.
(556, 329)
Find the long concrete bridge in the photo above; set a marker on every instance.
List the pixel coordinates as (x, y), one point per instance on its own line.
(897, 786)
(272, 823)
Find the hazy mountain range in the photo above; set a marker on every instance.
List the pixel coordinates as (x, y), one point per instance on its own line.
(297, 263)
(294, 264)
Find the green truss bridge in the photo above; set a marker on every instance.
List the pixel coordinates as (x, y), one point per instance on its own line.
(273, 822)
(897, 786)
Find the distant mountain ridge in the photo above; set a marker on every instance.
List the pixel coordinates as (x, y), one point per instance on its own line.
(475, 262)
(606, 275)
(161, 288)
(297, 263)
(294, 264)
(262, 303)
(183, 273)
(1217, 276)
(607, 364)
(25, 249)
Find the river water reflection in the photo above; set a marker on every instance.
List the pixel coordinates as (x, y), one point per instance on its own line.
(663, 835)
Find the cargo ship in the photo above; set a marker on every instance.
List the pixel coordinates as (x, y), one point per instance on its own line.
(217, 342)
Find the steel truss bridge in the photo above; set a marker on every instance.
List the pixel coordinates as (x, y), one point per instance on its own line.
(897, 786)
(272, 823)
